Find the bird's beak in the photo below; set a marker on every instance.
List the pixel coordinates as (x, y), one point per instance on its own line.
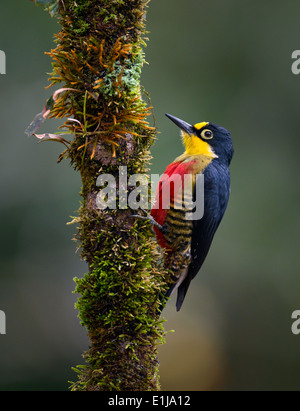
(181, 124)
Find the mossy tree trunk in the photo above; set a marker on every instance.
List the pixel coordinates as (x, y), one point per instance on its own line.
(98, 58)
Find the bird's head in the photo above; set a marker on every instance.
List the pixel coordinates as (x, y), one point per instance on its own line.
(205, 139)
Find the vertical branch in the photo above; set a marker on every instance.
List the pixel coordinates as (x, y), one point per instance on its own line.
(98, 58)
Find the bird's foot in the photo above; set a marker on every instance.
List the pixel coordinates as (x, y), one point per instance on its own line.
(149, 218)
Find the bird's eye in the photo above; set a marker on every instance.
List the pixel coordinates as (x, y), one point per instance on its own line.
(207, 134)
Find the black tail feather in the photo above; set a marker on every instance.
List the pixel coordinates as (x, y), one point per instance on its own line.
(181, 293)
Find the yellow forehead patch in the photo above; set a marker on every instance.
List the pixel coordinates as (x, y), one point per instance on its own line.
(198, 126)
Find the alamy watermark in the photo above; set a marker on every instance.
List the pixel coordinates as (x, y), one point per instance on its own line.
(296, 324)
(177, 191)
(2, 322)
(296, 63)
(2, 62)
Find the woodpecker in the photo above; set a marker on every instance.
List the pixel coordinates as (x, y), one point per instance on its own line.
(187, 239)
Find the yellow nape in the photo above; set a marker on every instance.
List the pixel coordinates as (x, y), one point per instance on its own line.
(194, 146)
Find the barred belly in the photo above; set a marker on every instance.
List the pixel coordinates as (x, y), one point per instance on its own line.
(177, 231)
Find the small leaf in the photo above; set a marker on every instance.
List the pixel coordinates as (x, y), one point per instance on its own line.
(50, 5)
(40, 118)
(52, 137)
(36, 123)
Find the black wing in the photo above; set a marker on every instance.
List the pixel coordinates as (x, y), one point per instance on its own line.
(216, 195)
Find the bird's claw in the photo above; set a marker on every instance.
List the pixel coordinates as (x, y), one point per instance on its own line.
(147, 217)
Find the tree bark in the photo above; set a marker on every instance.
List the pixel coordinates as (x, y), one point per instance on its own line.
(98, 58)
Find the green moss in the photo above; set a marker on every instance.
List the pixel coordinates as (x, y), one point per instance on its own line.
(127, 74)
(99, 58)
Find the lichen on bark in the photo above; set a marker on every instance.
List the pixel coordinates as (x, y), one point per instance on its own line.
(98, 58)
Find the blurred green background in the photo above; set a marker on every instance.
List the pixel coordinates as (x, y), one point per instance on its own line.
(224, 61)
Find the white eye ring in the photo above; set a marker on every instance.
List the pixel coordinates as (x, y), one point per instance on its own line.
(207, 134)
